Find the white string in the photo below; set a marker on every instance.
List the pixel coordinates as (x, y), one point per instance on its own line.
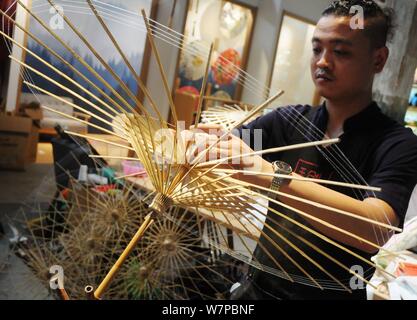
(162, 36)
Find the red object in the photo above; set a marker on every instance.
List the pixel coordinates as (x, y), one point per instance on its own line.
(406, 269)
(226, 67)
(105, 188)
(190, 90)
(65, 193)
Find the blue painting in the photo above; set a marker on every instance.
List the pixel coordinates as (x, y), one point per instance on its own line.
(125, 22)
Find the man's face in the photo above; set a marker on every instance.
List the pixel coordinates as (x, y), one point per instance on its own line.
(343, 63)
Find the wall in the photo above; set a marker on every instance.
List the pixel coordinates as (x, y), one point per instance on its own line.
(14, 73)
(265, 38)
(261, 57)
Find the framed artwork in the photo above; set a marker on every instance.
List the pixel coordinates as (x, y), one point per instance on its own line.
(6, 27)
(291, 69)
(226, 24)
(123, 20)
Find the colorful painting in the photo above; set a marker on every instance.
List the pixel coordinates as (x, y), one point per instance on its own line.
(228, 26)
(123, 20)
(225, 69)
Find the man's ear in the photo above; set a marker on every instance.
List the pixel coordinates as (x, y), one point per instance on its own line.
(380, 58)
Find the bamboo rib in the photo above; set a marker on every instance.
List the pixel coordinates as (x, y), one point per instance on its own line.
(61, 86)
(99, 140)
(67, 64)
(237, 124)
(257, 109)
(82, 121)
(194, 197)
(317, 220)
(127, 62)
(102, 61)
(268, 226)
(152, 169)
(75, 106)
(203, 86)
(79, 59)
(322, 206)
(321, 221)
(271, 150)
(161, 68)
(288, 256)
(266, 251)
(303, 254)
(129, 175)
(139, 234)
(113, 157)
(299, 178)
(63, 293)
(326, 239)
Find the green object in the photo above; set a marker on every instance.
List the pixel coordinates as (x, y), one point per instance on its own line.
(110, 174)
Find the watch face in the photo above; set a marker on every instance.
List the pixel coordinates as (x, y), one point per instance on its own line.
(282, 167)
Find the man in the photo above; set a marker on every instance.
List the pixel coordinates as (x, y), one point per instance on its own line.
(373, 149)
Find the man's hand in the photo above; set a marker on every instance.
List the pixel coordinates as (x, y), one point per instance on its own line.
(230, 151)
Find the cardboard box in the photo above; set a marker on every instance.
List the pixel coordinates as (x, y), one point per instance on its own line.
(35, 114)
(18, 142)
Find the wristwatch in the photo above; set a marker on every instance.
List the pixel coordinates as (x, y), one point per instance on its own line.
(282, 168)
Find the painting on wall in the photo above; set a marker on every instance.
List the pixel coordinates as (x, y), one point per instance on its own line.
(124, 21)
(229, 27)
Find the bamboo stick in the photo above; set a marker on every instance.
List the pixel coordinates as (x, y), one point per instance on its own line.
(203, 86)
(271, 150)
(78, 58)
(127, 62)
(102, 61)
(161, 68)
(299, 178)
(63, 293)
(98, 139)
(98, 293)
(113, 157)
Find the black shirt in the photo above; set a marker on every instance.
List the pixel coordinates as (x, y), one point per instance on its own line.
(373, 150)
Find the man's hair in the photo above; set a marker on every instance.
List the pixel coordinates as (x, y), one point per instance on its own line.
(379, 21)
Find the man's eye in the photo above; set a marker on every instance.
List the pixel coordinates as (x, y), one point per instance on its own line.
(341, 52)
(316, 50)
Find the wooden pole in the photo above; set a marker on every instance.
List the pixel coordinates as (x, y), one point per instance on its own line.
(110, 275)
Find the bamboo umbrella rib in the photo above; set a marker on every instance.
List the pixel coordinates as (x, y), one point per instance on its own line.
(127, 62)
(99, 140)
(237, 124)
(82, 121)
(322, 206)
(161, 68)
(326, 239)
(79, 59)
(203, 86)
(64, 76)
(271, 150)
(299, 178)
(100, 58)
(67, 102)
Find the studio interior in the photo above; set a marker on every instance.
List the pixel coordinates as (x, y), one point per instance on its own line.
(208, 150)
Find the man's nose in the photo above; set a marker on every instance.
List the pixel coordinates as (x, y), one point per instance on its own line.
(325, 60)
